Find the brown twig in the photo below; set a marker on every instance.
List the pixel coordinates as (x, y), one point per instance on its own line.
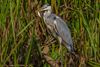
(48, 59)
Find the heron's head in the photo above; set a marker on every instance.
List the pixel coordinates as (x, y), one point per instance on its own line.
(45, 10)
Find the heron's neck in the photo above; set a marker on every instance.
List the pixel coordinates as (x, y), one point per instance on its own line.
(47, 13)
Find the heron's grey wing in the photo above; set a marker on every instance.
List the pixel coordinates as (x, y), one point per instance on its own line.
(64, 32)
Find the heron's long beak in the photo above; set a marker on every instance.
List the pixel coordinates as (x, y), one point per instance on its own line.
(39, 12)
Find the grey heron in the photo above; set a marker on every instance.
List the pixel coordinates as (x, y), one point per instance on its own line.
(57, 26)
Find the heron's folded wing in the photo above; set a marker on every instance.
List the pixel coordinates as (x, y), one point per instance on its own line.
(63, 31)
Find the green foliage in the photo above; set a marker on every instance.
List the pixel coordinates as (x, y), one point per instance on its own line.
(23, 34)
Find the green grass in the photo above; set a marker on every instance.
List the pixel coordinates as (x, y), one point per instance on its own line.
(23, 34)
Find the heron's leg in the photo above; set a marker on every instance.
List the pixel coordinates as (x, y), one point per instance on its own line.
(60, 40)
(60, 50)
